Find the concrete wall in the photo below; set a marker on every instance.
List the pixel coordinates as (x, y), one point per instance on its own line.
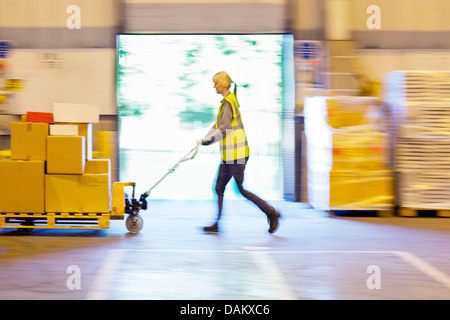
(43, 23)
(41, 29)
(404, 24)
(200, 16)
(65, 55)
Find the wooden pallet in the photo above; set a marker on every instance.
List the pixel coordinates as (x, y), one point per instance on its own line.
(423, 154)
(432, 109)
(420, 212)
(405, 86)
(63, 220)
(424, 131)
(419, 189)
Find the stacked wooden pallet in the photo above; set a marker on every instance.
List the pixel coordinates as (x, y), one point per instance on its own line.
(420, 105)
(419, 85)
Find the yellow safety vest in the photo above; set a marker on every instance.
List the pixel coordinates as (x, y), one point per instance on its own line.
(234, 145)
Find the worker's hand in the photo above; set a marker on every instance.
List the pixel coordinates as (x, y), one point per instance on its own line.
(200, 141)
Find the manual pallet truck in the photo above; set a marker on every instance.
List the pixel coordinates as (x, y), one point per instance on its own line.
(120, 205)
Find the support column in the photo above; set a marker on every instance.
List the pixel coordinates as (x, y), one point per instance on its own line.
(307, 19)
(338, 20)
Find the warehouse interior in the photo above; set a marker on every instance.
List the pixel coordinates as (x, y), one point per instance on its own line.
(346, 108)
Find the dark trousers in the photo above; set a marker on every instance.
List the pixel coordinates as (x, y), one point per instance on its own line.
(236, 171)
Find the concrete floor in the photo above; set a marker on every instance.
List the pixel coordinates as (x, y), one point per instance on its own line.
(312, 256)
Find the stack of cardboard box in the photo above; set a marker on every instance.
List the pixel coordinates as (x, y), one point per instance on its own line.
(51, 167)
(348, 160)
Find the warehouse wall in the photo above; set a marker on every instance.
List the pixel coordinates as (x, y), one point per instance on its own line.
(306, 19)
(62, 75)
(43, 23)
(201, 16)
(404, 24)
(412, 34)
(40, 29)
(59, 63)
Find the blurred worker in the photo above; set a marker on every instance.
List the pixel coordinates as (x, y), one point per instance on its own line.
(229, 130)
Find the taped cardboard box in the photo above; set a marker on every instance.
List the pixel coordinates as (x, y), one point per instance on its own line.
(65, 154)
(107, 146)
(98, 166)
(29, 140)
(22, 186)
(85, 130)
(84, 193)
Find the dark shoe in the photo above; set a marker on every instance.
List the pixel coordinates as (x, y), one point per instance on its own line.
(273, 221)
(213, 228)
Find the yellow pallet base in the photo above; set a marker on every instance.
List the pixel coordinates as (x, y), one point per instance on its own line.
(65, 220)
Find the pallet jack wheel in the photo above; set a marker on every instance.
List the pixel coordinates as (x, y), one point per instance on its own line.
(134, 223)
(26, 230)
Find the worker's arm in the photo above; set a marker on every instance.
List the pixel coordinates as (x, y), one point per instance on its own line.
(217, 134)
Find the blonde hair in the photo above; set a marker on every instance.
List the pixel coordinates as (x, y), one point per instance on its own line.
(223, 78)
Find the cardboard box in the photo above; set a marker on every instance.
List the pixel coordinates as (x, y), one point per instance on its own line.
(107, 146)
(98, 166)
(85, 130)
(65, 154)
(63, 130)
(77, 193)
(29, 140)
(44, 117)
(22, 186)
(79, 113)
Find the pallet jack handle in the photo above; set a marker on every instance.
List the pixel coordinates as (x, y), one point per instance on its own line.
(189, 156)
